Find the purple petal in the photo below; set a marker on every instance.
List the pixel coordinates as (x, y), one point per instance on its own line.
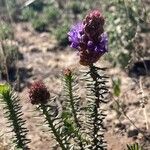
(75, 35)
(102, 46)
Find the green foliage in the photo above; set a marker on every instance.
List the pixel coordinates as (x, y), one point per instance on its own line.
(11, 3)
(13, 113)
(134, 147)
(61, 36)
(11, 6)
(123, 23)
(96, 97)
(120, 27)
(116, 86)
(2, 3)
(71, 110)
(4, 90)
(71, 131)
(39, 24)
(5, 31)
(65, 124)
(8, 56)
(51, 14)
(77, 7)
(28, 14)
(68, 123)
(55, 124)
(119, 58)
(123, 59)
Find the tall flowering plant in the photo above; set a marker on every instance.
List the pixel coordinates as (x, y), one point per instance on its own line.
(89, 38)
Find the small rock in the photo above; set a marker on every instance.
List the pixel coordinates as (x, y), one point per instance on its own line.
(51, 48)
(133, 133)
(29, 67)
(44, 35)
(34, 49)
(120, 126)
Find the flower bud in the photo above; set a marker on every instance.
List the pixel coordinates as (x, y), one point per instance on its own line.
(38, 93)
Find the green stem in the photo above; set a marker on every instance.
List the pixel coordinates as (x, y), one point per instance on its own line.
(72, 103)
(95, 115)
(50, 122)
(5, 61)
(14, 115)
(96, 106)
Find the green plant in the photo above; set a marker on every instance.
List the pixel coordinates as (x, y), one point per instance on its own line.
(96, 97)
(71, 108)
(134, 147)
(77, 7)
(5, 31)
(116, 83)
(123, 25)
(67, 121)
(51, 14)
(117, 105)
(13, 113)
(11, 7)
(39, 24)
(61, 36)
(27, 14)
(8, 55)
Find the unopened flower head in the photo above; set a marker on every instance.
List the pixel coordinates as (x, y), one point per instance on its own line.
(89, 38)
(38, 93)
(67, 72)
(93, 25)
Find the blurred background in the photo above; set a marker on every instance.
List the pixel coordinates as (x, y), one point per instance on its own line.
(34, 45)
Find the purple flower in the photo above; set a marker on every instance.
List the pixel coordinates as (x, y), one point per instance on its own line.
(101, 46)
(89, 38)
(75, 35)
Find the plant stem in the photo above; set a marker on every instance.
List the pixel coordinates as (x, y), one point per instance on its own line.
(144, 104)
(5, 61)
(14, 115)
(96, 121)
(96, 105)
(72, 103)
(146, 118)
(50, 122)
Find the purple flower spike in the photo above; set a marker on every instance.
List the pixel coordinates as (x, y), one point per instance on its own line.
(75, 35)
(89, 38)
(100, 47)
